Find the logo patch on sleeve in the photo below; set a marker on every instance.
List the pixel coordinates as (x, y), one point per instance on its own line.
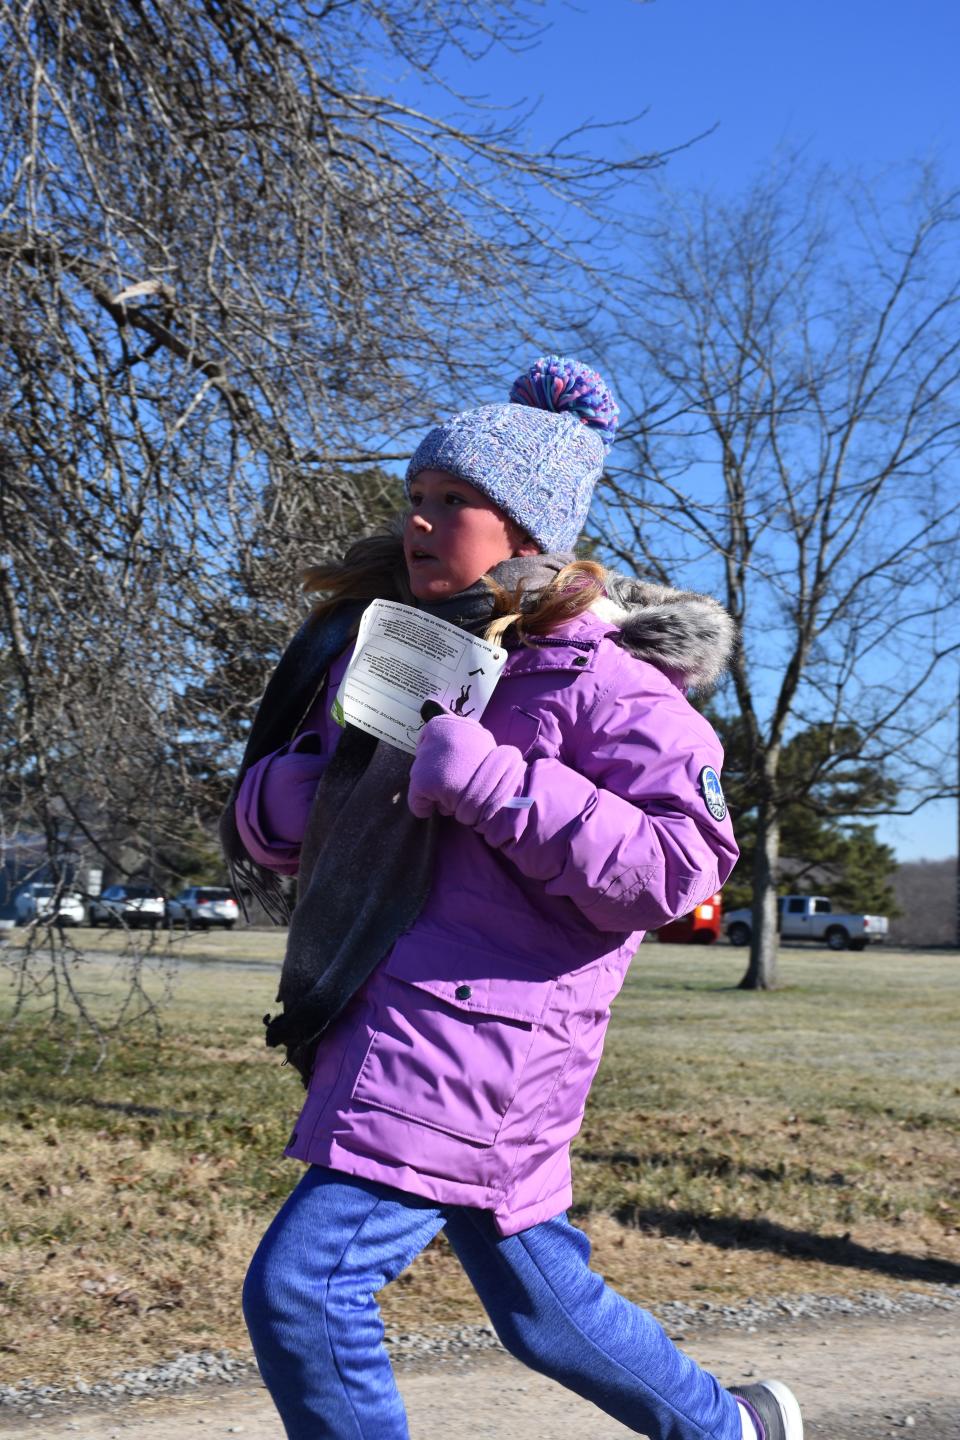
(713, 793)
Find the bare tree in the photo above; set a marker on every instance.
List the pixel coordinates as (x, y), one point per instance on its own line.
(233, 275)
(797, 447)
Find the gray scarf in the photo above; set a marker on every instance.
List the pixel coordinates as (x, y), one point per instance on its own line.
(366, 862)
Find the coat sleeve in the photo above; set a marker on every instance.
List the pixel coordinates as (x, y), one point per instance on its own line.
(276, 794)
(274, 801)
(623, 830)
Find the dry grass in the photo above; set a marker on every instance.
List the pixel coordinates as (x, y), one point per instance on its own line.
(734, 1145)
(240, 945)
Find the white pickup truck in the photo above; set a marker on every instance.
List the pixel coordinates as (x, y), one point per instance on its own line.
(812, 917)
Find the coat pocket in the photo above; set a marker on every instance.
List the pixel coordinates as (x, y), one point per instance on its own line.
(455, 1027)
(522, 730)
(537, 737)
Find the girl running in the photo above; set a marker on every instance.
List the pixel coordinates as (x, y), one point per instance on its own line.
(465, 920)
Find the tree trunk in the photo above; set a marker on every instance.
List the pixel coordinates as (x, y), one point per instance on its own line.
(761, 973)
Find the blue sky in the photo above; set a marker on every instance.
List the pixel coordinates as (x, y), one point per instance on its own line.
(868, 87)
(855, 83)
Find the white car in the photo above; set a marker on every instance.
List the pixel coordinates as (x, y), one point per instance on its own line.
(131, 905)
(201, 906)
(36, 902)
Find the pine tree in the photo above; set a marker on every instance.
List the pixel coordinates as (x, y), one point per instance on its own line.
(827, 848)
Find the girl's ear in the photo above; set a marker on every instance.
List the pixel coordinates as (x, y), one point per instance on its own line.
(519, 539)
(521, 542)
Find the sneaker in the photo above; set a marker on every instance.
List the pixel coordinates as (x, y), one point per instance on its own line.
(775, 1406)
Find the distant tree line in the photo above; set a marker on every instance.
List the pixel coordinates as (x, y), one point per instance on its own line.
(926, 893)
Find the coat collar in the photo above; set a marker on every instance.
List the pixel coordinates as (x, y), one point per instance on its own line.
(687, 636)
(572, 647)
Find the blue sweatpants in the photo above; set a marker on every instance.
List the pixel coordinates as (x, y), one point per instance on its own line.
(309, 1303)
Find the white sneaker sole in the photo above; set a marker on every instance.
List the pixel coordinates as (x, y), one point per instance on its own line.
(785, 1398)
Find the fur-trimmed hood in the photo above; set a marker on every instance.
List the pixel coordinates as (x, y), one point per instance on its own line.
(690, 635)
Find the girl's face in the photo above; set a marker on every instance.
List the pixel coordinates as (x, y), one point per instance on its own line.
(454, 534)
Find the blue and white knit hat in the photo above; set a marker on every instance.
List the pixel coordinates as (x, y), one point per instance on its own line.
(537, 457)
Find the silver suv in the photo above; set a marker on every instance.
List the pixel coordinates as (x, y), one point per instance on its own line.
(201, 906)
(132, 905)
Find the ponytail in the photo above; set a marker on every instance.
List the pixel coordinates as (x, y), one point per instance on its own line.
(571, 591)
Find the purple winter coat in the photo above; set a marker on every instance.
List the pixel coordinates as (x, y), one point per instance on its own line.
(460, 1071)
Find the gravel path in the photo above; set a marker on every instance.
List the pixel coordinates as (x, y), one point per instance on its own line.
(864, 1369)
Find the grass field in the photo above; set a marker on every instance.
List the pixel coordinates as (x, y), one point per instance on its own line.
(735, 1144)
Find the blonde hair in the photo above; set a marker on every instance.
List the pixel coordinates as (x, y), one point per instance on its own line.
(374, 568)
(571, 591)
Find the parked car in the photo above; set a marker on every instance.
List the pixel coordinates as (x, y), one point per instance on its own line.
(201, 906)
(133, 905)
(36, 902)
(812, 917)
(700, 927)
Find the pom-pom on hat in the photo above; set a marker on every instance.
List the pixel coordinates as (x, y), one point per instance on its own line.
(537, 457)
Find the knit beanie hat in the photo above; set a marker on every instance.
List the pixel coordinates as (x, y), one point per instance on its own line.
(537, 457)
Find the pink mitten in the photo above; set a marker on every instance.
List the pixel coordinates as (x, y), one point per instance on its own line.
(460, 770)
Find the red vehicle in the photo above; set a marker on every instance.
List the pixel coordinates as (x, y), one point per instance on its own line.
(700, 927)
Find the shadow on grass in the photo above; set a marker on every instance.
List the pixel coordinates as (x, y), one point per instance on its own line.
(732, 1233)
(716, 1166)
(151, 1112)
